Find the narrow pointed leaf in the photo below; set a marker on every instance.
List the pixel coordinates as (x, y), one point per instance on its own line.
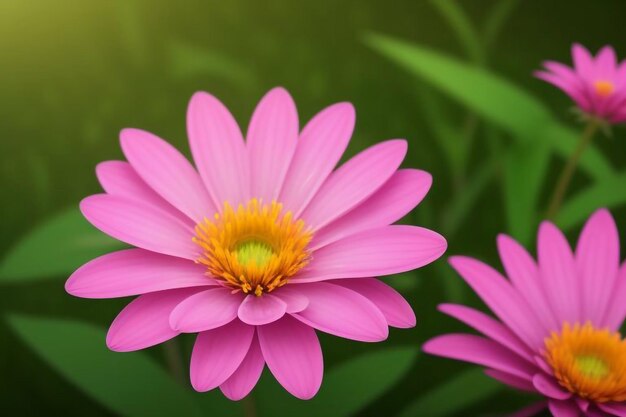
(491, 96)
(454, 396)
(346, 389)
(129, 384)
(55, 248)
(609, 192)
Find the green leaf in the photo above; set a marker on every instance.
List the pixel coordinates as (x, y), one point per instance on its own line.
(129, 384)
(610, 192)
(346, 389)
(461, 25)
(492, 97)
(449, 139)
(55, 248)
(454, 289)
(454, 395)
(499, 14)
(462, 203)
(524, 171)
(187, 60)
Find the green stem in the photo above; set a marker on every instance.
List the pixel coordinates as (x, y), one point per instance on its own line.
(568, 172)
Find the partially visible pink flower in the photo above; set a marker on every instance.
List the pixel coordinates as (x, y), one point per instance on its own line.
(596, 84)
(557, 321)
(264, 244)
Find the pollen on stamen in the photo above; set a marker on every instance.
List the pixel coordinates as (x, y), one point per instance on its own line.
(254, 249)
(604, 88)
(588, 362)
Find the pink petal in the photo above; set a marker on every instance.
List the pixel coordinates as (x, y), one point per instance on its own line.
(382, 251)
(619, 116)
(293, 355)
(218, 149)
(404, 190)
(261, 310)
(394, 307)
(294, 298)
(481, 351)
(558, 273)
(120, 179)
(342, 312)
(593, 412)
(563, 408)
(501, 298)
(218, 353)
(167, 172)
(543, 365)
(523, 272)
(582, 403)
(510, 380)
(573, 89)
(271, 141)
(616, 310)
(606, 63)
(562, 71)
(205, 310)
(140, 225)
(549, 387)
(354, 181)
(322, 142)
(583, 62)
(145, 321)
(488, 326)
(597, 261)
(132, 272)
(617, 409)
(246, 376)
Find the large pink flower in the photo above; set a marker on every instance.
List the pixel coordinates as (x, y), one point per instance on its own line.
(597, 85)
(261, 245)
(556, 330)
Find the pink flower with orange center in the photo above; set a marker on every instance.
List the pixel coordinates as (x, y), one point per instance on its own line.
(557, 320)
(596, 84)
(257, 246)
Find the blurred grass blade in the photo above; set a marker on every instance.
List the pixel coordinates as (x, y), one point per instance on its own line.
(346, 389)
(490, 96)
(129, 384)
(454, 289)
(462, 203)
(449, 139)
(460, 23)
(55, 248)
(524, 172)
(187, 60)
(499, 14)
(610, 192)
(454, 395)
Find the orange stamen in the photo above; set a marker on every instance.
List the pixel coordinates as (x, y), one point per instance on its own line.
(588, 362)
(254, 249)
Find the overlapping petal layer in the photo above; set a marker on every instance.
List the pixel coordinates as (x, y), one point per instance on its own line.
(596, 84)
(575, 295)
(336, 224)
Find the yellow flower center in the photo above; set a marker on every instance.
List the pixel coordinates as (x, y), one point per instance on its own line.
(589, 362)
(604, 88)
(255, 249)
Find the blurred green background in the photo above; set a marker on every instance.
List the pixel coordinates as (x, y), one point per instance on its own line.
(73, 73)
